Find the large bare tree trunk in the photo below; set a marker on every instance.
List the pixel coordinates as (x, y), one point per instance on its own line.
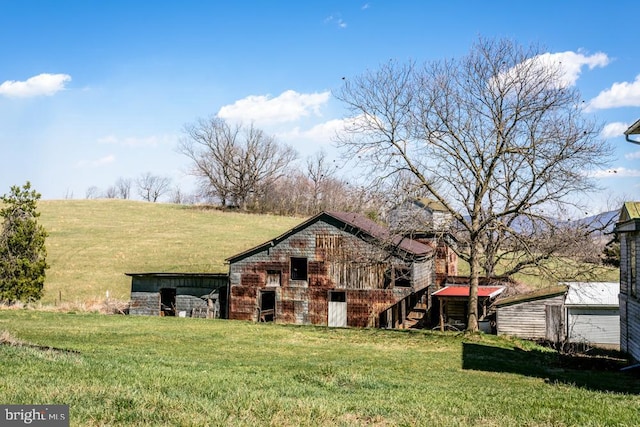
(474, 279)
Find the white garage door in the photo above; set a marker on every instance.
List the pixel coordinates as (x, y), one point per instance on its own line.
(597, 326)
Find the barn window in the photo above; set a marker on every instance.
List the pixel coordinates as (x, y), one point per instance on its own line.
(328, 241)
(397, 276)
(298, 268)
(273, 277)
(337, 296)
(403, 276)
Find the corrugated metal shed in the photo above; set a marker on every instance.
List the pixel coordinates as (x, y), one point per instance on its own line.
(592, 313)
(578, 312)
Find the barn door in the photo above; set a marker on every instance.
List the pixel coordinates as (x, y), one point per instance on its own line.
(168, 301)
(267, 306)
(337, 309)
(554, 325)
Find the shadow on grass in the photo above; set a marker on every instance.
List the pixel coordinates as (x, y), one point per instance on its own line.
(597, 372)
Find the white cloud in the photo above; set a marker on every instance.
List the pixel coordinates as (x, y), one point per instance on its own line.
(566, 67)
(623, 94)
(323, 133)
(571, 64)
(96, 163)
(614, 130)
(619, 172)
(149, 141)
(42, 84)
(632, 156)
(287, 107)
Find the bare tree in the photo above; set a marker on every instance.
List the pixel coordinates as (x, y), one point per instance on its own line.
(92, 192)
(123, 188)
(320, 172)
(152, 187)
(180, 197)
(494, 137)
(235, 164)
(111, 192)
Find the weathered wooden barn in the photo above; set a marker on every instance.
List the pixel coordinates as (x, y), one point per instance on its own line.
(179, 294)
(628, 229)
(335, 269)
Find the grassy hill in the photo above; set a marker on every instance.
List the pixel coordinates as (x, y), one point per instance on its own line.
(92, 243)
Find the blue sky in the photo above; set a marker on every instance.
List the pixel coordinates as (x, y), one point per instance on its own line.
(93, 91)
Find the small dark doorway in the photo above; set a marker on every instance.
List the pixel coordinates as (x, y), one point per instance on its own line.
(267, 306)
(168, 302)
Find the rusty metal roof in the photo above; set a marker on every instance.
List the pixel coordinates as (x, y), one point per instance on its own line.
(355, 223)
(381, 232)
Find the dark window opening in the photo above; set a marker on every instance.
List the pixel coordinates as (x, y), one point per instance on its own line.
(337, 296)
(403, 276)
(273, 277)
(397, 276)
(298, 269)
(168, 301)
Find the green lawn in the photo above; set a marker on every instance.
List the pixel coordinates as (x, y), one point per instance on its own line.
(127, 370)
(92, 243)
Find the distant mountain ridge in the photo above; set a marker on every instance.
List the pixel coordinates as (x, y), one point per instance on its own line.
(605, 221)
(602, 223)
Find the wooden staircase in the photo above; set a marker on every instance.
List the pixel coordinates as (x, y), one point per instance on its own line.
(416, 316)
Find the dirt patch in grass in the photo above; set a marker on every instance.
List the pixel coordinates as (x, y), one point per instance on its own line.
(7, 339)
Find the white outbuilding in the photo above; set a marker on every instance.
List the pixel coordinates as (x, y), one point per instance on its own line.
(592, 313)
